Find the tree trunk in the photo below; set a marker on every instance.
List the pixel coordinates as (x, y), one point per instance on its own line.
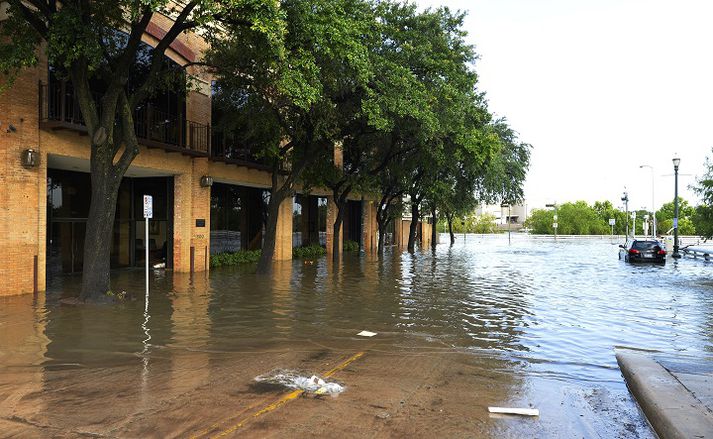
(336, 229)
(264, 265)
(97, 239)
(434, 231)
(415, 216)
(449, 218)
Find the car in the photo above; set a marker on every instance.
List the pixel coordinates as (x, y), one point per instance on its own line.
(643, 250)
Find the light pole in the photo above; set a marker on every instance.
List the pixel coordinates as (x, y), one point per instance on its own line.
(554, 218)
(653, 206)
(508, 218)
(625, 200)
(676, 162)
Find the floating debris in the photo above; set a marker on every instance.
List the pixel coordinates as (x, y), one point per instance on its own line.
(514, 411)
(293, 379)
(366, 334)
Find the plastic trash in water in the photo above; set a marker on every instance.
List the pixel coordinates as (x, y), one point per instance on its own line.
(366, 334)
(293, 379)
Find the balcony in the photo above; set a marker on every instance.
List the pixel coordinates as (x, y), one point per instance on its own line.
(225, 149)
(59, 109)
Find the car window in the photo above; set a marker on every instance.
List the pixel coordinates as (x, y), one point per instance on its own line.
(646, 245)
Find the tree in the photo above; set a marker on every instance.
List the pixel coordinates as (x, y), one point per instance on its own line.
(97, 46)
(686, 213)
(703, 215)
(288, 106)
(577, 218)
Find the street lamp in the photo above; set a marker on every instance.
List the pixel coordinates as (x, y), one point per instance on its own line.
(554, 218)
(653, 206)
(676, 162)
(508, 218)
(625, 200)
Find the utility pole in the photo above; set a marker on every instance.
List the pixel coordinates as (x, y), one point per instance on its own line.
(625, 199)
(676, 162)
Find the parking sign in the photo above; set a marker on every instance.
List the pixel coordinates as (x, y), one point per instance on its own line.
(148, 206)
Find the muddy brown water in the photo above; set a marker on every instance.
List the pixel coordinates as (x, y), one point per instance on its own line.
(530, 324)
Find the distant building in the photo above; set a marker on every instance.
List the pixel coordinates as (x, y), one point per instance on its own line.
(516, 214)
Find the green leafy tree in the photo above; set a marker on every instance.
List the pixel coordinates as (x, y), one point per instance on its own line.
(703, 215)
(540, 222)
(97, 47)
(686, 214)
(288, 107)
(575, 218)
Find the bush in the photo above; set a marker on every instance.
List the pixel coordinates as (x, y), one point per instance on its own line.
(309, 252)
(351, 246)
(241, 257)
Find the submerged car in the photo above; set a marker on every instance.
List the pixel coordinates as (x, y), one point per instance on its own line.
(643, 250)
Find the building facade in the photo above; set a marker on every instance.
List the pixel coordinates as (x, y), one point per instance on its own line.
(44, 206)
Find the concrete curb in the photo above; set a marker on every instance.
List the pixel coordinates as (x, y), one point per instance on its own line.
(669, 406)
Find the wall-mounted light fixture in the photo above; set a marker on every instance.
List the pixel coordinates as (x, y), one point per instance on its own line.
(206, 181)
(30, 158)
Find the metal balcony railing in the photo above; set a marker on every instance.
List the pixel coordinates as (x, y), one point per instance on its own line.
(224, 148)
(59, 109)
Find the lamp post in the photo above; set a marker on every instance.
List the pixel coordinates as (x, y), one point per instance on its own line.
(508, 218)
(625, 200)
(676, 162)
(653, 206)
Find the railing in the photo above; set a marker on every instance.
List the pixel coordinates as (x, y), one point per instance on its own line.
(224, 148)
(59, 108)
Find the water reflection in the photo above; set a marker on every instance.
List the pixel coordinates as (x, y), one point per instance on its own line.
(528, 313)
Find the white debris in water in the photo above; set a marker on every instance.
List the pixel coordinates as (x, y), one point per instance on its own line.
(514, 411)
(366, 334)
(295, 380)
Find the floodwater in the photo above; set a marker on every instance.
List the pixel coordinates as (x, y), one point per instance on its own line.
(533, 323)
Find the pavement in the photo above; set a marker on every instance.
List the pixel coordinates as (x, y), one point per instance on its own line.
(674, 392)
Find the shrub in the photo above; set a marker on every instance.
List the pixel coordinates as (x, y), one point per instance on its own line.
(351, 246)
(241, 257)
(309, 252)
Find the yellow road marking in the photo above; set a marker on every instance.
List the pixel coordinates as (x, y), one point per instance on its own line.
(284, 400)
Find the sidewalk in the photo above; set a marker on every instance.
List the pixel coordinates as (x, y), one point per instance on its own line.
(675, 393)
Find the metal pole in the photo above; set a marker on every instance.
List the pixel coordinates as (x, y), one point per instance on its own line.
(508, 224)
(653, 206)
(675, 255)
(146, 245)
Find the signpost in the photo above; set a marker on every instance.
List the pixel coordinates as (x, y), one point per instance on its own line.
(612, 222)
(555, 225)
(148, 213)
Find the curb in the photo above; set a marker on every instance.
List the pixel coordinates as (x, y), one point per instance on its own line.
(669, 406)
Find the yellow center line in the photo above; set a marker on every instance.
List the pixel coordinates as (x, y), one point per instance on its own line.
(285, 399)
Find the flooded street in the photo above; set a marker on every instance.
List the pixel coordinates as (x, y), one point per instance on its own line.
(534, 323)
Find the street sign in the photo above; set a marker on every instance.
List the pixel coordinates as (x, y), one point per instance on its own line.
(555, 217)
(612, 221)
(675, 223)
(148, 206)
(555, 225)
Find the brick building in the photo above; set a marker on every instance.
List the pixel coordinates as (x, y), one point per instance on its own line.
(43, 208)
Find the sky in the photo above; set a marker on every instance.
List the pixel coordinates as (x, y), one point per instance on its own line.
(599, 87)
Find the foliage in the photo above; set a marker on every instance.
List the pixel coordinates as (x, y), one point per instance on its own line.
(686, 215)
(236, 258)
(703, 215)
(351, 246)
(485, 223)
(98, 47)
(309, 252)
(577, 218)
